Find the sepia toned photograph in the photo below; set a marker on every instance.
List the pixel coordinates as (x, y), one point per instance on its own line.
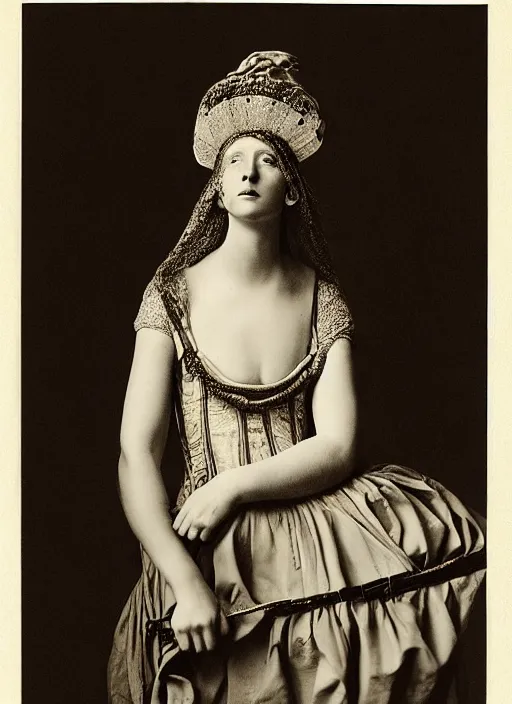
(254, 321)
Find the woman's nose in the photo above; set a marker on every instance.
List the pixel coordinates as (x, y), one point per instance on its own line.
(251, 172)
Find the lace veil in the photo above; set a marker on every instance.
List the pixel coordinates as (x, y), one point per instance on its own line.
(301, 232)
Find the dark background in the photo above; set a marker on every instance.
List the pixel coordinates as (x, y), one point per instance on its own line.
(110, 94)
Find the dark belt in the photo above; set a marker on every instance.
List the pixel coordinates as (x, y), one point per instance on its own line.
(384, 589)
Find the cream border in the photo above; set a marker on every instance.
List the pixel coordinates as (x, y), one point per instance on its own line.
(10, 281)
(499, 602)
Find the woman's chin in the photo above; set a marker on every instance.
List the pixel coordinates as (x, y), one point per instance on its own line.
(253, 212)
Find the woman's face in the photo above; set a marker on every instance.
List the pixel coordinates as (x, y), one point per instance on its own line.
(252, 186)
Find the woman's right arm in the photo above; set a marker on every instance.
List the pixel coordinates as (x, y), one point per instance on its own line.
(144, 429)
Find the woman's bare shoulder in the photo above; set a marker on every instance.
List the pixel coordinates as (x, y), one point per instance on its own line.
(301, 277)
(197, 274)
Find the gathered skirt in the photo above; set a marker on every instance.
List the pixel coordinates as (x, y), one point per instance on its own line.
(387, 521)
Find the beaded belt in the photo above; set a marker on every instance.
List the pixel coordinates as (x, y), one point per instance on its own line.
(384, 589)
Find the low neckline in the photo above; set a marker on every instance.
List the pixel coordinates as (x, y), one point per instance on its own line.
(211, 369)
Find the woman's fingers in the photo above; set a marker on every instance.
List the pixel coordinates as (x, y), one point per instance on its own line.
(192, 528)
(192, 533)
(205, 638)
(183, 527)
(178, 520)
(197, 641)
(223, 624)
(205, 534)
(211, 633)
(183, 640)
(208, 639)
(187, 525)
(189, 529)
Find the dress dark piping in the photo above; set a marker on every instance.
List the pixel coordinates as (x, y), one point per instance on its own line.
(245, 397)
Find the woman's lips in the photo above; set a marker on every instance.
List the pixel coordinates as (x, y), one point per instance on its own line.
(249, 194)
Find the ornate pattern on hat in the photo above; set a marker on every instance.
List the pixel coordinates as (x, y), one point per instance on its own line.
(262, 94)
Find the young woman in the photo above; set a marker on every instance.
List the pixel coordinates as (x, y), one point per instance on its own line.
(245, 333)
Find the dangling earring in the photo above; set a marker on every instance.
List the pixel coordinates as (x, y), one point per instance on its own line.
(291, 197)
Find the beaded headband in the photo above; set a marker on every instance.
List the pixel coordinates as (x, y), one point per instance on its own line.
(262, 94)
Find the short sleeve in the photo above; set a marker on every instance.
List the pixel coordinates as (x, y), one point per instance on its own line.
(152, 313)
(334, 319)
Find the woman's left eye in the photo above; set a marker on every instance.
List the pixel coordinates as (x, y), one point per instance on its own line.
(269, 160)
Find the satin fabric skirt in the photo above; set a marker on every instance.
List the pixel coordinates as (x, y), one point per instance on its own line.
(384, 522)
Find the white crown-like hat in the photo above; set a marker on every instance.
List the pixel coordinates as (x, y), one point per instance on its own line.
(262, 94)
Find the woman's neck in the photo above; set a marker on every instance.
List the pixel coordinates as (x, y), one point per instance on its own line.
(252, 251)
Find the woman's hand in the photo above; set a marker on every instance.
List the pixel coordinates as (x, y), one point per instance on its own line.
(198, 621)
(206, 508)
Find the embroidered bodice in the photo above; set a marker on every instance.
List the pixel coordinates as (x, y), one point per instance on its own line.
(223, 423)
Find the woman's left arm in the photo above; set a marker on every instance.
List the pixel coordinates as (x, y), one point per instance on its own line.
(312, 465)
(319, 462)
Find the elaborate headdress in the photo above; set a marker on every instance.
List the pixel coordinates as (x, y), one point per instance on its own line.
(262, 94)
(261, 99)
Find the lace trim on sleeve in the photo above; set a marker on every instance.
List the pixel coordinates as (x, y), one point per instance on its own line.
(152, 313)
(334, 319)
